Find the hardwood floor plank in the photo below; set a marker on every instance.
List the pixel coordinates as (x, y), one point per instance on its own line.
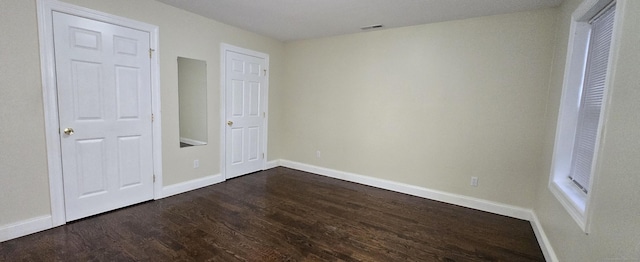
(284, 215)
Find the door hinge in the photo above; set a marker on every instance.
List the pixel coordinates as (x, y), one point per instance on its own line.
(152, 118)
(262, 155)
(154, 178)
(151, 52)
(265, 72)
(264, 114)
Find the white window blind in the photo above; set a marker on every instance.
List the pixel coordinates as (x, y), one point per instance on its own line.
(591, 97)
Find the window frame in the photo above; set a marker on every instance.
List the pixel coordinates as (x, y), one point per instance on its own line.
(572, 198)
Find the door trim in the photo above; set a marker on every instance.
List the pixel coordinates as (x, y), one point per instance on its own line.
(50, 91)
(224, 48)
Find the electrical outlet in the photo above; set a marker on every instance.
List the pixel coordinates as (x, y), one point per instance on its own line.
(318, 154)
(474, 181)
(196, 163)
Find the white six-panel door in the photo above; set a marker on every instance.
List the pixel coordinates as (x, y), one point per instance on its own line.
(103, 79)
(244, 83)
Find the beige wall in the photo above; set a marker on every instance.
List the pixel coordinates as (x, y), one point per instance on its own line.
(24, 183)
(615, 223)
(429, 105)
(23, 170)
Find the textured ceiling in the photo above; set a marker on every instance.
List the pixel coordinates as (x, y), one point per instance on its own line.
(288, 20)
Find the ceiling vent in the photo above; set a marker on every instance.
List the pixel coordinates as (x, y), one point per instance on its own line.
(365, 28)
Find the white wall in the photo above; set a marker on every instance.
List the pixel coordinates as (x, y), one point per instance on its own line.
(429, 105)
(615, 228)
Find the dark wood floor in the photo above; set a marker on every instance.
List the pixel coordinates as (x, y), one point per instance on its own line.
(284, 215)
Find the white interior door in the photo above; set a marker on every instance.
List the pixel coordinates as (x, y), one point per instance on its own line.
(103, 78)
(245, 83)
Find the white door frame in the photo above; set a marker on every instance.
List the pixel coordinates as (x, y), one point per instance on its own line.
(50, 93)
(223, 103)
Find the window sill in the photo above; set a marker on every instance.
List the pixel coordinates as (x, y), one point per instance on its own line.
(572, 199)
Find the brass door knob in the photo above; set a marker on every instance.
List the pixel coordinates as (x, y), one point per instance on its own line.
(68, 131)
(229, 123)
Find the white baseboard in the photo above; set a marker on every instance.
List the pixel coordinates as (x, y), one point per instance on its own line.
(460, 200)
(25, 227)
(272, 164)
(543, 241)
(183, 187)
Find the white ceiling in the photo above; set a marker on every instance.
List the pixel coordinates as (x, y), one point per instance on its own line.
(288, 20)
